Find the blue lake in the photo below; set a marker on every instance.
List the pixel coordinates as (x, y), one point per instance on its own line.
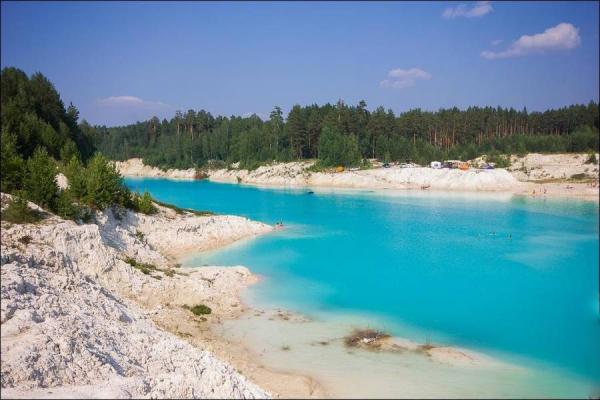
(507, 275)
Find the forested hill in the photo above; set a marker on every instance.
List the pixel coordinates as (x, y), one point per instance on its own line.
(40, 138)
(343, 134)
(33, 115)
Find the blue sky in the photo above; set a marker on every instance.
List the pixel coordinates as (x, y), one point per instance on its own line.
(122, 62)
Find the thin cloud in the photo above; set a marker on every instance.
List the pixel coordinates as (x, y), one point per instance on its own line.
(563, 36)
(402, 78)
(479, 9)
(260, 115)
(129, 101)
(496, 42)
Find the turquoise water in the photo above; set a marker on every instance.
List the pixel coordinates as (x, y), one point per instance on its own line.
(507, 275)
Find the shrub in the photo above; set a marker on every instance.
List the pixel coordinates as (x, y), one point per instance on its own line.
(144, 204)
(592, 159)
(199, 309)
(145, 268)
(18, 212)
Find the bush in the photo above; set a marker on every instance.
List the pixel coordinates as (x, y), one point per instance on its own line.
(592, 159)
(66, 207)
(145, 205)
(500, 161)
(18, 212)
(199, 309)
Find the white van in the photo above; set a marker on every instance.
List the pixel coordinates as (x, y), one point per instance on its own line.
(436, 165)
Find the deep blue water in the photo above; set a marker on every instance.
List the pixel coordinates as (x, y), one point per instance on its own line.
(513, 275)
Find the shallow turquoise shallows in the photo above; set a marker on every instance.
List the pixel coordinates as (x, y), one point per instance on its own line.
(508, 275)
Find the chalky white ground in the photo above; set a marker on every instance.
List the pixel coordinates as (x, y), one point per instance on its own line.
(76, 319)
(543, 173)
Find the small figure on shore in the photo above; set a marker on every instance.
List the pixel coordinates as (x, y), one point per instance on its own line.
(279, 225)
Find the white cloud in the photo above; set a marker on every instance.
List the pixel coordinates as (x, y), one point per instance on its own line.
(563, 36)
(496, 42)
(402, 78)
(129, 101)
(260, 115)
(479, 9)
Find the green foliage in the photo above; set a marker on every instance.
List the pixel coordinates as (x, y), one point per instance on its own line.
(12, 164)
(76, 175)
(104, 185)
(348, 134)
(69, 151)
(144, 204)
(180, 210)
(33, 111)
(199, 309)
(592, 159)
(336, 149)
(145, 268)
(39, 181)
(500, 161)
(18, 212)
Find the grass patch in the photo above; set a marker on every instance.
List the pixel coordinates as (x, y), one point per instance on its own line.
(139, 234)
(198, 309)
(180, 210)
(18, 212)
(147, 269)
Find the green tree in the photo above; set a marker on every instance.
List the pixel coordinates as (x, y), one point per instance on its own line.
(104, 186)
(39, 181)
(12, 164)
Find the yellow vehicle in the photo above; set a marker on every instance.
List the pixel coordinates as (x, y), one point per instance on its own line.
(339, 168)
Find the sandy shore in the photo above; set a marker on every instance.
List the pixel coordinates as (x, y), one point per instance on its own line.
(537, 175)
(80, 321)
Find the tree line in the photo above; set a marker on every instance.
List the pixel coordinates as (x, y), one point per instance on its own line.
(344, 134)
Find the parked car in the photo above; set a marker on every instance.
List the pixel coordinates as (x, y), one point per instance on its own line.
(386, 165)
(436, 165)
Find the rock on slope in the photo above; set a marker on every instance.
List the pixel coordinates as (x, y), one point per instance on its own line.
(73, 319)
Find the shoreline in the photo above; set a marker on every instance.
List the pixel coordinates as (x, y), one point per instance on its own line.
(151, 303)
(294, 175)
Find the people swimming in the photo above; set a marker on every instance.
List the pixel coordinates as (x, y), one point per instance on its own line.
(279, 225)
